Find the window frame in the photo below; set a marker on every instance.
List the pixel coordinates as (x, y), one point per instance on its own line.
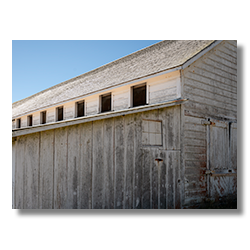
(41, 117)
(76, 108)
(29, 120)
(18, 123)
(101, 102)
(57, 109)
(132, 94)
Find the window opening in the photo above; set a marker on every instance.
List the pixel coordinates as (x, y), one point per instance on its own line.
(106, 103)
(139, 95)
(80, 109)
(152, 132)
(60, 114)
(29, 120)
(18, 123)
(43, 117)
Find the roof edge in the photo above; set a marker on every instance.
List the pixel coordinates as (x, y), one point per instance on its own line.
(144, 78)
(201, 53)
(182, 65)
(76, 77)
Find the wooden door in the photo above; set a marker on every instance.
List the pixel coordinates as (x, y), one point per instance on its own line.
(221, 158)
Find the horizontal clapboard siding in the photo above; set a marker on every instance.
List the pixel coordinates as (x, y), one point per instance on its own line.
(121, 99)
(195, 151)
(210, 83)
(92, 106)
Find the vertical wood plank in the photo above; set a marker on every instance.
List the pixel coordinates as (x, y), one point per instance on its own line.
(73, 166)
(155, 179)
(146, 177)
(170, 175)
(233, 146)
(108, 163)
(119, 162)
(86, 165)
(177, 184)
(137, 195)
(172, 123)
(61, 168)
(162, 180)
(98, 169)
(20, 172)
(46, 169)
(31, 171)
(129, 160)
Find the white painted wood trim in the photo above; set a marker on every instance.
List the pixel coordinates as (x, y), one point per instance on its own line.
(147, 93)
(101, 91)
(112, 101)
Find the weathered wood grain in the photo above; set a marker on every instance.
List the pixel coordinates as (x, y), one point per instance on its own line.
(86, 165)
(129, 160)
(219, 145)
(108, 155)
(98, 169)
(172, 128)
(61, 168)
(155, 171)
(119, 162)
(32, 166)
(103, 164)
(74, 138)
(170, 180)
(147, 178)
(233, 146)
(20, 172)
(46, 169)
(137, 189)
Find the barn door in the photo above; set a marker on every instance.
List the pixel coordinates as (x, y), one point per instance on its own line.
(221, 158)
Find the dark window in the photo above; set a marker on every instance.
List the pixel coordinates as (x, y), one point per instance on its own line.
(29, 120)
(43, 117)
(139, 95)
(80, 109)
(106, 103)
(60, 114)
(18, 123)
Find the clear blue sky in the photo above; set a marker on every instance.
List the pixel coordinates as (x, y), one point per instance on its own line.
(38, 65)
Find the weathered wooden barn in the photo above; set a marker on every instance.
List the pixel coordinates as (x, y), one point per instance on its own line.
(154, 129)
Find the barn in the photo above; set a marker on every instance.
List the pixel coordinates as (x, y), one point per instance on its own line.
(156, 129)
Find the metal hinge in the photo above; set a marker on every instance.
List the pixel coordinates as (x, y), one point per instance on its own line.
(207, 122)
(208, 171)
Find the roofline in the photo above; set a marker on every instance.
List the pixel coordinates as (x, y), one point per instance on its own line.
(201, 53)
(75, 78)
(84, 119)
(175, 68)
(100, 91)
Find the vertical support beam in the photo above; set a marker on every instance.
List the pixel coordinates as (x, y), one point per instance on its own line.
(130, 98)
(112, 101)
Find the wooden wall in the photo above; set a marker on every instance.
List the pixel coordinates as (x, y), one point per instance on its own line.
(159, 89)
(101, 164)
(210, 83)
